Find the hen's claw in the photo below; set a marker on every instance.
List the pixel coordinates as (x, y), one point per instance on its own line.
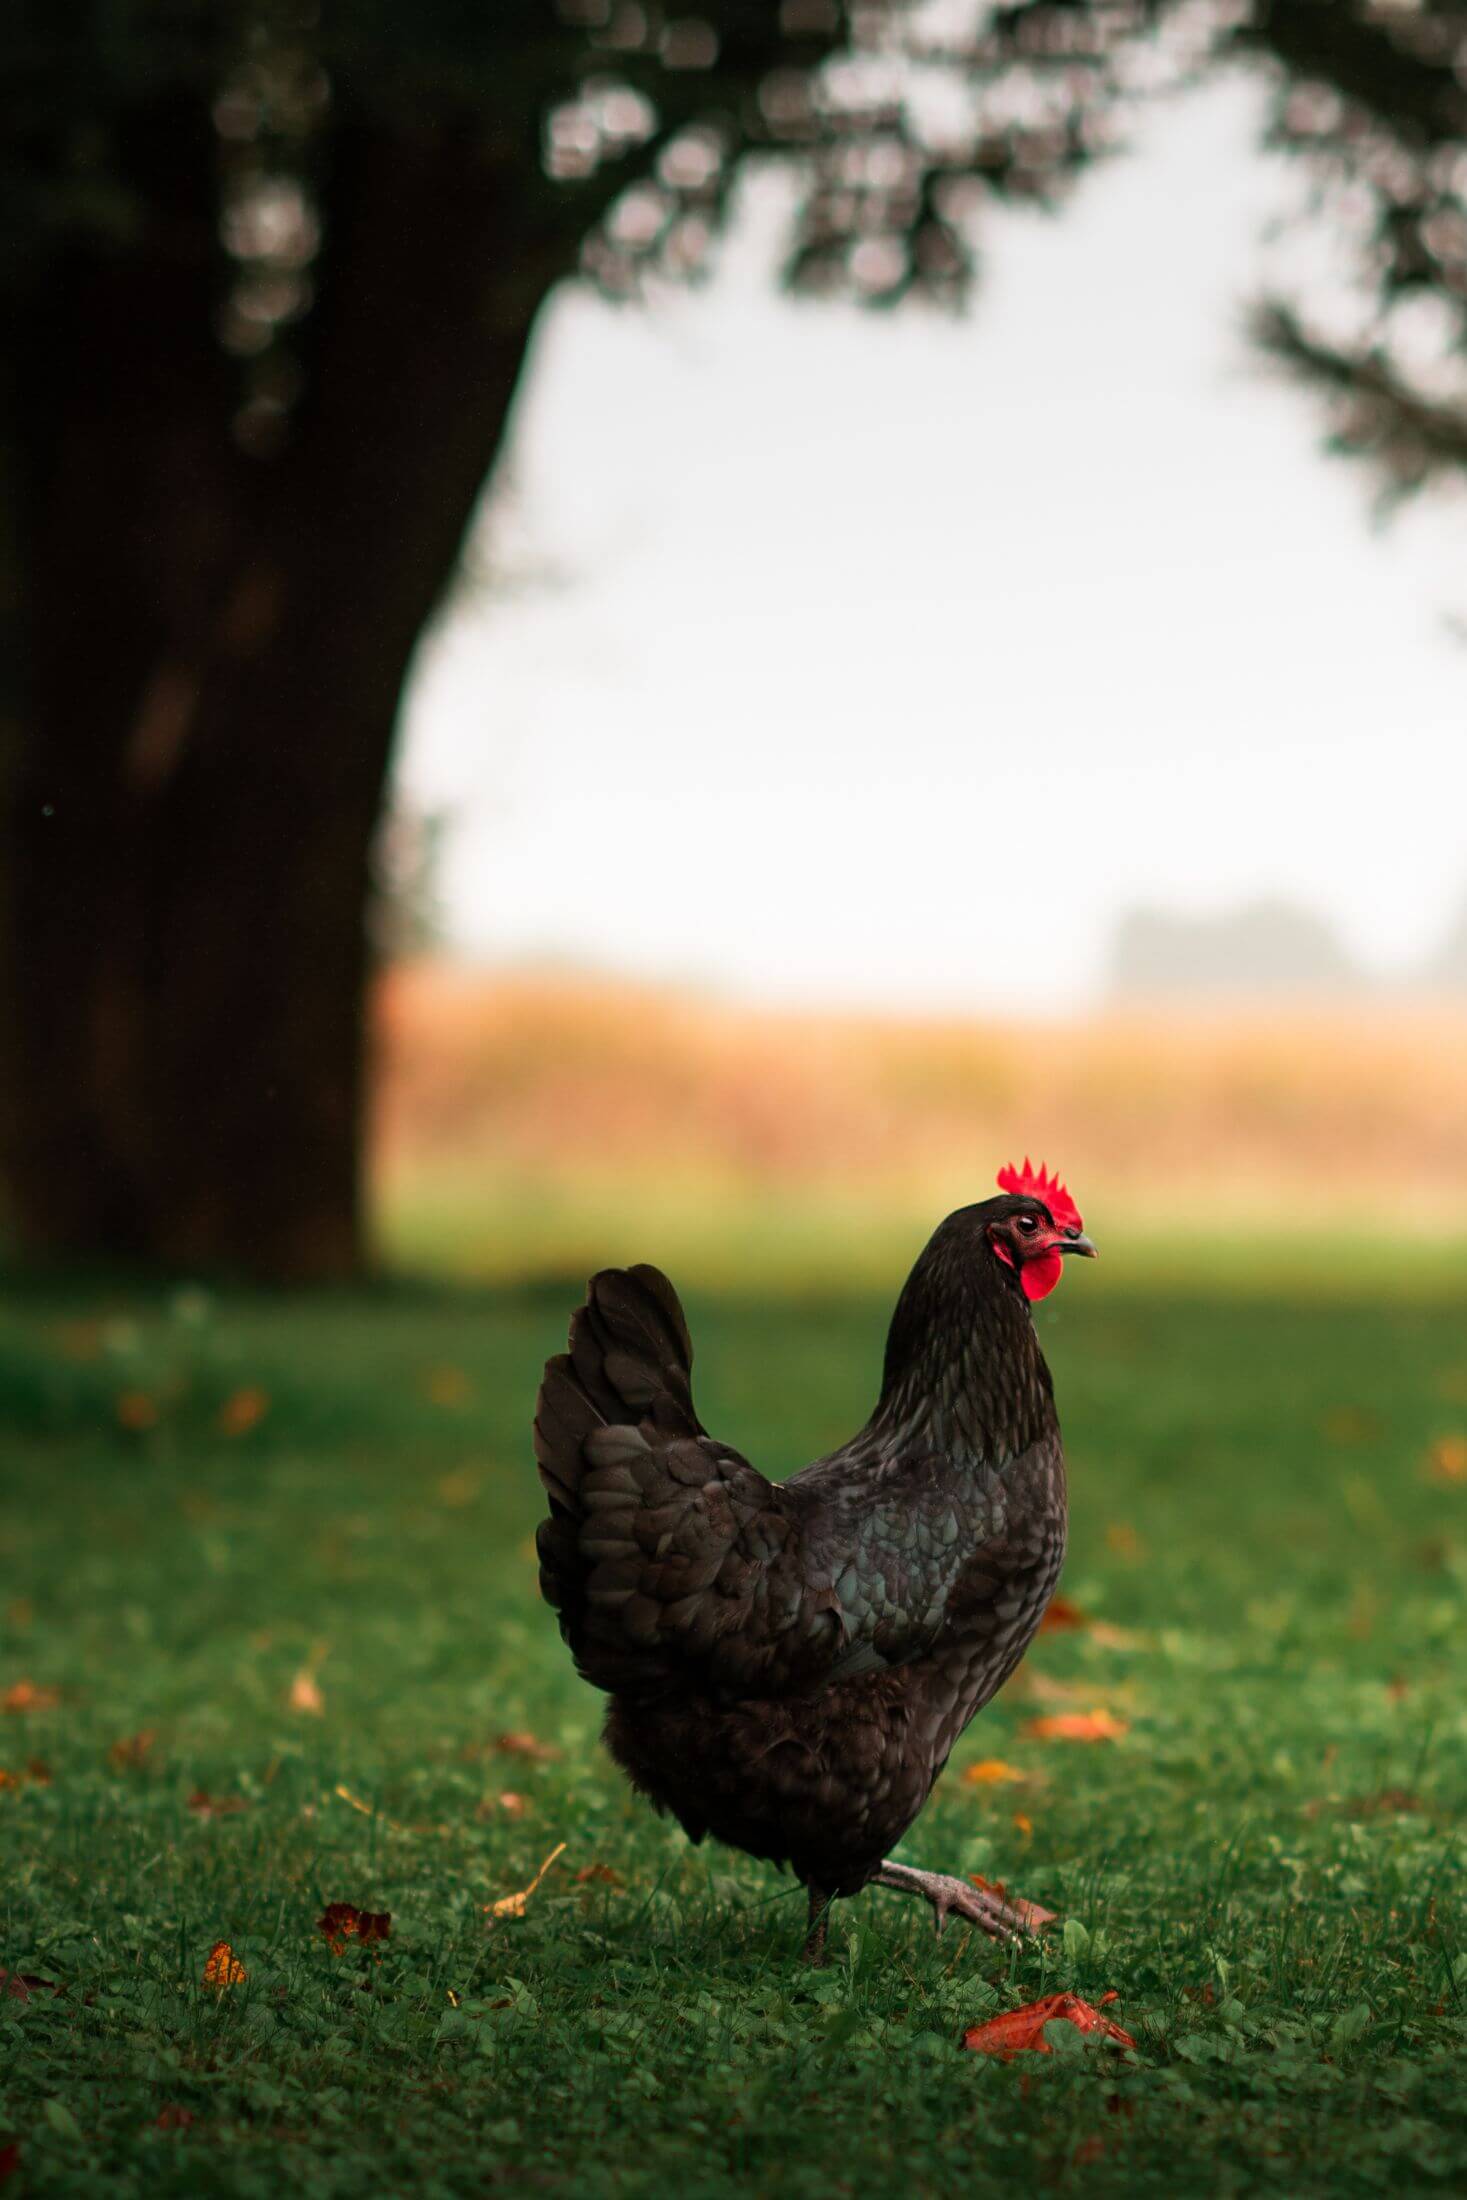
(952, 1897)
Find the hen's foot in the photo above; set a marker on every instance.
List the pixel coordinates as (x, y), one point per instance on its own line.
(813, 1951)
(952, 1897)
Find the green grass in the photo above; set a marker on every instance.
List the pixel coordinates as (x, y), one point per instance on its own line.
(1266, 1869)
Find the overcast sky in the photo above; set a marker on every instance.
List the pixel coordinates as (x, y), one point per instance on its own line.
(886, 659)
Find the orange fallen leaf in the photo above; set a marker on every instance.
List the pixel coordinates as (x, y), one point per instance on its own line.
(136, 1410)
(205, 1805)
(989, 1771)
(223, 1967)
(343, 1921)
(243, 1410)
(26, 1696)
(133, 1750)
(1023, 1824)
(1021, 2031)
(513, 1905)
(1099, 1725)
(513, 1806)
(601, 1873)
(1060, 1612)
(1032, 1913)
(525, 1745)
(1446, 1459)
(305, 1693)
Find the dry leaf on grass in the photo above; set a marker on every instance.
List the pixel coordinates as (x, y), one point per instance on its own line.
(136, 1411)
(305, 1693)
(341, 1922)
(1446, 1459)
(526, 1745)
(24, 1986)
(132, 1751)
(514, 1905)
(1061, 1613)
(204, 1805)
(37, 1773)
(26, 1696)
(991, 1771)
(1033, 1915)
(243, 1410)
(1099, 1725)
(1023, 1824)
(600, 1874)
(223, 1967)
(512, 1805)
(1021, 2031)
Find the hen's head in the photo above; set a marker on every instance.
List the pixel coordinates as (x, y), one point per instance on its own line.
(1031, 1228)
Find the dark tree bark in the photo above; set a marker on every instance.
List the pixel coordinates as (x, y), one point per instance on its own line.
(217, 646)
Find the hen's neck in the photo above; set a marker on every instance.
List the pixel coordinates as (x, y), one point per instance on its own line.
(964, 1374)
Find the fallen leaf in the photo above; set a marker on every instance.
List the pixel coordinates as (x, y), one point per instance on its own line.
(1446, 1459)
(1061, 1613)
(223, 1967)
(136, 1410)
(1106, 1637)
(243, 1410)
(1023, 1824)
(989, 1771)
(513, 1905)
(1099, 1725)
(204, 1805)
(1021, 2031)
(26, 1696)
(343, 1921)
(526, 1745)
(1035, 1917)
(305, 1693)
(512, 1805)
(602, 1874)
(447, 1386)
(171, 2117)
(132, 1751)
(24, 1985)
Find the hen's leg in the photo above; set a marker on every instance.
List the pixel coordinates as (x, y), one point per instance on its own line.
(813, 1951)
(957, 1898)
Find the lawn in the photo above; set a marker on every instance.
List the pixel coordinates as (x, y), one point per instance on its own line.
(265, 1568)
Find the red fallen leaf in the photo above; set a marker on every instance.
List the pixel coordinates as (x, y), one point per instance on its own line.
(343, 1921)
(26, 1696)
(1099, 1725)
(171, 2117)
(525, 1745)
(24, 1986)
(1060, 1612)
(9, 2160)
(133, 1750)
(1021, 2031)
(1035, 1917)
(204, 1805)
(601, 1872)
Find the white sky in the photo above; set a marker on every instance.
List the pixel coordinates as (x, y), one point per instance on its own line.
(887, 658)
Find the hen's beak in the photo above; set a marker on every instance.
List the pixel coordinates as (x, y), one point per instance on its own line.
(1077, 1243)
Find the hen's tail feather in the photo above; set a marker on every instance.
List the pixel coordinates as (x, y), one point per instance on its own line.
(630, 1361)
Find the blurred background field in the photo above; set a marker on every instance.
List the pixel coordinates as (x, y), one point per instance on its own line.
(545, 1124)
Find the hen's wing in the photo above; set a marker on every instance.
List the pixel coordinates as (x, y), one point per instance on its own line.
(669, 1559)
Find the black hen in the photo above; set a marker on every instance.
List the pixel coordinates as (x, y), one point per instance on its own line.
(789, 1664)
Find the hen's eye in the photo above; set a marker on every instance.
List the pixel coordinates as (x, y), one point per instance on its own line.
(1028, 1224)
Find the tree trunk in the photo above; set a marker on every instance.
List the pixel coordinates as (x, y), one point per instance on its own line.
(216, 650)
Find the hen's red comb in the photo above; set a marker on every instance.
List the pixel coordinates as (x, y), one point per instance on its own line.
(1039, 1184)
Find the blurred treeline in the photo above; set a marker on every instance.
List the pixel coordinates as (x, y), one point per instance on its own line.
(269, 272)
